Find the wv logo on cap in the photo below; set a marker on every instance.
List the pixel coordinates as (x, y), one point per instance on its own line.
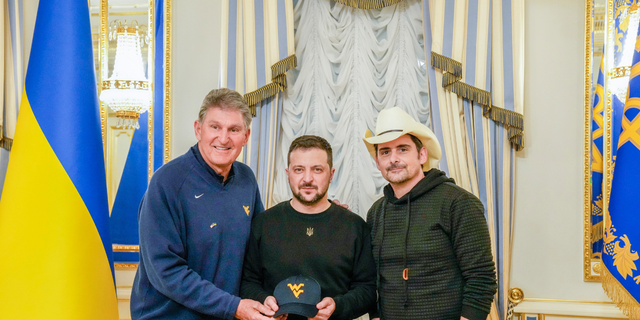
(290, 299)
(296, 289)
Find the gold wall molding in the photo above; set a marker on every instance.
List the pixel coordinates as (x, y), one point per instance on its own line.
(104, 68)
(139, 13)
(167, 80)
(571, 316)
(125, 248)
(592, 263)
(564, 300)
(587, 274)
(151, 71)
(541, 316)
(125, 266)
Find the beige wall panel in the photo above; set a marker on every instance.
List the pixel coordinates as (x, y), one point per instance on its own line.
(195, 65)
(547, 243)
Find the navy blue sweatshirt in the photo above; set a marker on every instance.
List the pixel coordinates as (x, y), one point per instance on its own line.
(194, 229)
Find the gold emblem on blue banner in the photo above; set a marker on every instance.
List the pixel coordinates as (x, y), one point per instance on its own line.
(621, 279)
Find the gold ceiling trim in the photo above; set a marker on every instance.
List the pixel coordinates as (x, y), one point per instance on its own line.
(368, 4)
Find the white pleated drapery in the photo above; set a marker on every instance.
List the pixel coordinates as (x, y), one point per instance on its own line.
(352, 63)
(13, 79)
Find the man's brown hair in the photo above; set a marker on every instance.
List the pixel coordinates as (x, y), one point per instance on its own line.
(308, 142)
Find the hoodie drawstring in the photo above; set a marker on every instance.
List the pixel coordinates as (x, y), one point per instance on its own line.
(375, 222)
(405, 271)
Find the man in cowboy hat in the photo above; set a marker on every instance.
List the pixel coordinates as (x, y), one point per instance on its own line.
(430, 238)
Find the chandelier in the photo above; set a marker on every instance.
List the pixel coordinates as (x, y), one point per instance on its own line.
(127, 90)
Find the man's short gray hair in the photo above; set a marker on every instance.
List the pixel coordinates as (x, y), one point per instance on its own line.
(225, 99)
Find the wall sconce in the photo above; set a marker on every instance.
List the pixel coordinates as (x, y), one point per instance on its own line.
(127, 91)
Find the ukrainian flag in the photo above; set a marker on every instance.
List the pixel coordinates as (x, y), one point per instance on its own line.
(621, 278)
(55, 252)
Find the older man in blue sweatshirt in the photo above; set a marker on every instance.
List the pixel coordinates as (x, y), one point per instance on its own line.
(195, 220)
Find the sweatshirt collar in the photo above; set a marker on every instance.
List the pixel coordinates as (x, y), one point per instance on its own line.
(432, 179)
(218, 177)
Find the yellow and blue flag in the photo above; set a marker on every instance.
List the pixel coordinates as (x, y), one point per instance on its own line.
(621, 278)
(55, 259)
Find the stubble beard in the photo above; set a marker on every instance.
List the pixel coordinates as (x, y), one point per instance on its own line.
(399, 177)
(313, 200)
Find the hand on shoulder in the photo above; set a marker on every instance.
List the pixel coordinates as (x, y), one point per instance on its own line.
(337, 202)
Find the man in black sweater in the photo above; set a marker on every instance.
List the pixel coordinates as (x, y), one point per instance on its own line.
(431, 242)
(311, 236)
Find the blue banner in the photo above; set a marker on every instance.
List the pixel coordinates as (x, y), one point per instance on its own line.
(621, 279)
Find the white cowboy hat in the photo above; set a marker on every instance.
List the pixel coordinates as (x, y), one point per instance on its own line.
(393, 123)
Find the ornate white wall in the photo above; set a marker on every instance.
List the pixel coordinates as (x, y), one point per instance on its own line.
(547, 256)
(547, 245)
(195, 65)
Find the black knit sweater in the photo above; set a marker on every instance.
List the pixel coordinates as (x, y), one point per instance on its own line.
(333, 247)
(438, 231)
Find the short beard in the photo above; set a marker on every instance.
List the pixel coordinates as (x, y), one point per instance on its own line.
(311, 202)
(400, 178)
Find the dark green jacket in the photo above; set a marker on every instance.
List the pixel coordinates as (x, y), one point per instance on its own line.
(439, 232)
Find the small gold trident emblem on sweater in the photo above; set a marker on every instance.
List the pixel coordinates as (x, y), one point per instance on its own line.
(309, 232)
(296, 289)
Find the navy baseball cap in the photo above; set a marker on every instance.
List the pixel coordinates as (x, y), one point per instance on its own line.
(298, 295)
